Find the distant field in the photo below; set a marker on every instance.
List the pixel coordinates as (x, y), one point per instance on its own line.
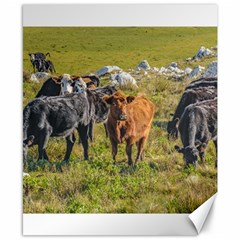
(159, 184)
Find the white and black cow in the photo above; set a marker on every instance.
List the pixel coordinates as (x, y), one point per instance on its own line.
(37, 60)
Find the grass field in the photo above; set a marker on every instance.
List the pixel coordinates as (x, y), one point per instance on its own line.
(159, 184)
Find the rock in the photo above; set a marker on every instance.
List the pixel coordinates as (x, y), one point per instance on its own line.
(196, 72)
(42, 76)
(123, 79)
(188, 59)
(155, 69)
(33, 78)
(26, 174)
(187, 71)
(202, 52)
(107, 69)
(162, 70)
(211, 70)
(173, 64)
(143, 65)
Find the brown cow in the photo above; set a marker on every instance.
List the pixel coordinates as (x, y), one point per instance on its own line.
(129, 120)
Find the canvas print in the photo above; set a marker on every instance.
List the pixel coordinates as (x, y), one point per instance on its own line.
(119, 119)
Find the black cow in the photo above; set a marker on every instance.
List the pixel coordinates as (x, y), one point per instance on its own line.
(56, 86)
(189, 96)
(51, 87)
(203, 83)
(197, 126)
(58, 116)
(101, 91)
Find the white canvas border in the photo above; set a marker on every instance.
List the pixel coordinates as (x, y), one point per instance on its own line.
(120, 15)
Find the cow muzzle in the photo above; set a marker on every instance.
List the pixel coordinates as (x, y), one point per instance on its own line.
(123, 117)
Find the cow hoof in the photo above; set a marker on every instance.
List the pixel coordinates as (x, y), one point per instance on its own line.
(59, 167)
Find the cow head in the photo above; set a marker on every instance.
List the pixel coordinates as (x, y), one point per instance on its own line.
(190, 154)
(100, 106)
(32, 56)
(79, 86)
(66, 84)
(118, 103)
(26, 143)
(172, 128)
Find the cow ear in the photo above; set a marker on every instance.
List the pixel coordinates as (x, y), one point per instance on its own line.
(107, 99)
(176, 122)
(179, 149)
(130, 99)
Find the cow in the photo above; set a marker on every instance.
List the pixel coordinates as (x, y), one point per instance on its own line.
(91, 81)
(189, 96)
(129, 120)
(58, 116)
(48, 66)
(197, 126)
(93, 78)
(203, 83)
(55, 86)
(36, 60)
(105, 90)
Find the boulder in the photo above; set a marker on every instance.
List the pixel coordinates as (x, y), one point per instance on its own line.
(33, 78)
(173, 64)
(202, 52)
(107, 69)
(211, 70)
(196, 72)
(143, 65)
(187, 71)
(123, 79)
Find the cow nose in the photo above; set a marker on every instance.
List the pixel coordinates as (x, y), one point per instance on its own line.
(123, 117)
(66, 92)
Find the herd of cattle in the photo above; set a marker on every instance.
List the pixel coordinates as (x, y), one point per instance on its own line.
(66, 103)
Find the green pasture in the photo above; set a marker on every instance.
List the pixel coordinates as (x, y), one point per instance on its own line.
(159, 184)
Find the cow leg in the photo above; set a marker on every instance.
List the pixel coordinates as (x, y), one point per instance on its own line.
(129, 152)
(202, 154)
(202, 151)
(70, 142)
(43, 140)
(45, 155)
(215, 143)
(140, 148)
(114, 149)
(91, 130)
(83, 132)
(105, 127)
